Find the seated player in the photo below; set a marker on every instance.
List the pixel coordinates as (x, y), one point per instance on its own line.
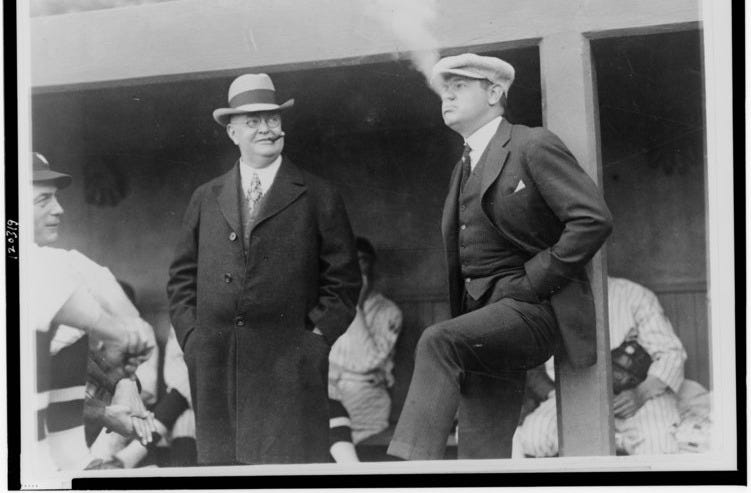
(645, 413)
(361, 360)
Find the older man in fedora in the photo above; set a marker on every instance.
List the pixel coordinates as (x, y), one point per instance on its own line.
(264, 280)
(520, 222)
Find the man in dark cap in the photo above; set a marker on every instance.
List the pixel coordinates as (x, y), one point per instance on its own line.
(264, 280)
(520, 222)
(68, 310)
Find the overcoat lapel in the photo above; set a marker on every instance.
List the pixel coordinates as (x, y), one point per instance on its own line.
(288, 185)
(228, 197)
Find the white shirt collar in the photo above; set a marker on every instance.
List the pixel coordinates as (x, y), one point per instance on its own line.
(266, 175)
(479, 140)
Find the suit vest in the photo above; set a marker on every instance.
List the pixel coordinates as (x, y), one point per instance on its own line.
(484, 254)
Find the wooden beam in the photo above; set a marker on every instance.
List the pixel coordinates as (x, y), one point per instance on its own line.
(181, 38)
(584, 396)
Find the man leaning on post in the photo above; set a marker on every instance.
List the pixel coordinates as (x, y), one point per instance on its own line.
(520, 222)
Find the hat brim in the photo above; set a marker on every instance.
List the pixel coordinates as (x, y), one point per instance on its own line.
(222, 115)
(61, 180)
(444, 74)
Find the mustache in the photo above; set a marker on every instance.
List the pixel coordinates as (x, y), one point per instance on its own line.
(277, 136)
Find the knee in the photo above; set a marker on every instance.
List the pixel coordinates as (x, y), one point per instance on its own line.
(435, 340)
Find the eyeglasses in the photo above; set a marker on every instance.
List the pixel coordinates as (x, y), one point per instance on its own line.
(273, 120)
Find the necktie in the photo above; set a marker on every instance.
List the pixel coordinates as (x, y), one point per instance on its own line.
(254, 194)
(466, 164)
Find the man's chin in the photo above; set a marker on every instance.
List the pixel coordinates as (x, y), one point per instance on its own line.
(45, 238)
(452, 123)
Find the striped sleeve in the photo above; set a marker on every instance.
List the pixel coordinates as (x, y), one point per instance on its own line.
(369, 340)
(653, 331)
(340, 427)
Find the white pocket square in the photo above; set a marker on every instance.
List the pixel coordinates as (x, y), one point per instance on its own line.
(520, 186)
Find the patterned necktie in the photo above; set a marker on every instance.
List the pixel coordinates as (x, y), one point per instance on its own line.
(254, 194)
(466, 165)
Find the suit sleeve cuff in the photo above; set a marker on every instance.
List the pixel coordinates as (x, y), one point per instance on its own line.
(536, 269)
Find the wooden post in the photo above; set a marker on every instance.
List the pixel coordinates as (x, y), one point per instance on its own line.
(569, 96)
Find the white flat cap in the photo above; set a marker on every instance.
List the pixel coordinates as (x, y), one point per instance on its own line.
(474, 66)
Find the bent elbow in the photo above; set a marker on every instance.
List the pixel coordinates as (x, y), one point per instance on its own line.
(605, 224)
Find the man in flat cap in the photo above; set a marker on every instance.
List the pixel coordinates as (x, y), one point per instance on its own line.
(520, 222)
(265, 278)
(79, 309)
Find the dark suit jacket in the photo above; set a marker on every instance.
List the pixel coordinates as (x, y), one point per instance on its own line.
(559, 219)
(258, 374)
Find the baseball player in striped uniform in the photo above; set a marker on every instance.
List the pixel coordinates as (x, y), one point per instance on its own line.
(645, 415)
(67, 311)
(361, 360)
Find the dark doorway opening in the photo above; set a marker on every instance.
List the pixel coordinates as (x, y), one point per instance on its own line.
(650, 92)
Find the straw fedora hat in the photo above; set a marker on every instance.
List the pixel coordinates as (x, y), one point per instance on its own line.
(250, 93)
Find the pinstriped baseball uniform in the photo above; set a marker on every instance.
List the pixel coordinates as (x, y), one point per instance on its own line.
(61, 441)
(100, 280)
(360, 365)
(634, 314)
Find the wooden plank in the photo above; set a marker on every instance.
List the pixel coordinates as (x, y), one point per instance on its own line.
(189, 38)
(704, 355)
(687, 312)
(584, 396)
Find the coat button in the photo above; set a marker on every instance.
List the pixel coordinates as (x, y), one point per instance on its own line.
(467, 280)
(227, 277)
(464, 226)
(232, 236)
(239, 321)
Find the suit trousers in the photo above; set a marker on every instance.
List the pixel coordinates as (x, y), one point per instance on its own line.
(475, 364)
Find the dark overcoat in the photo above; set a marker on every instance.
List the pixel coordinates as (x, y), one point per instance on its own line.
(559, 218)
(258, 374)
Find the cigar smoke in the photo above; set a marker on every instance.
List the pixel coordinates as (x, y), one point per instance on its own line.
(411, 22)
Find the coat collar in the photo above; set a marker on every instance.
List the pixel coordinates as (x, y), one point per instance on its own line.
(288, 184)
(227, 196)
(495, 155)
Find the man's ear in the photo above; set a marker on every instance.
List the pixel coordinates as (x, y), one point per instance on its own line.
(232, 133)
(495, 92)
